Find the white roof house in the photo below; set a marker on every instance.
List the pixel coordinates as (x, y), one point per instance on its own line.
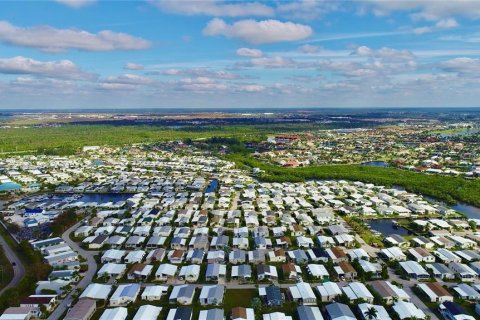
(276, 316)
(112, 270)
(303, 292)
(97, 291)
(147, 312)
(115, 314)
(152, 293)
(328, 291)
(357, 290)
(406, 310)
(382, 313)
(317, 270)
(125, 294)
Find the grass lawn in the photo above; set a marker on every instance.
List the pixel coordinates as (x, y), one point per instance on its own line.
(238, 298)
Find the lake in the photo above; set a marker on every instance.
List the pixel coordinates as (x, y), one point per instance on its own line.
(385, 226)
(471, 212)
(376, 164)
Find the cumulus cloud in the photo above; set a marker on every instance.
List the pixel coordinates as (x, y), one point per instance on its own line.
(247, 52)
(61, 69)
(252, 88)
(200, 84)
(49, 39)
(463, 65)
(385, 53)
(132, 79)
(216, 8)
(258, 32)
(306, 9)
(76, 3)
(133, 66)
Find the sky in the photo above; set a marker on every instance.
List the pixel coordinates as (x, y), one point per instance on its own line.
(74, 54)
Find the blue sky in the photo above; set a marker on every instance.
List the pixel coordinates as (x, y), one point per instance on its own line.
(201, 54)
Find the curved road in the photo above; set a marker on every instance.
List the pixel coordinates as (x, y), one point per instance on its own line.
(18, 269)
(87, 278)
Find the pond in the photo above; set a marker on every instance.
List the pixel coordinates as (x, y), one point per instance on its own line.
(464, 132)
(471, 212)
(386, 227)
(376, 164)
(9, 186)
(212, 186)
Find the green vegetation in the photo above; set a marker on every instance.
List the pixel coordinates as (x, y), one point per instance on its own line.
(238, 298)
(35, 270)
(6, 270)
(66, 139)
(449, 189)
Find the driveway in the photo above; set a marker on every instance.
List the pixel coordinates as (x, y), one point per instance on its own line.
(87, 278)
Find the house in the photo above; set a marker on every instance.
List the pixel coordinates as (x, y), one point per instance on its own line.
(381, 312)
(463, 272)
(452, 311)
(147, 312)
(277, 255)
(393, 254)
(189, 273)
(291, 271)
(139, 271)
(447, 256)
(356, 291)
(237, 256)
(242, 272)
(335, 254)
(134, 256)
(37, 301)
(182, 294)
(338, 311)
(217, 256)
(156, 255)
(165, 271)
(176, 256)
(182, 313)
(212, 314)
(345, 271)
(125, 294)
(215, 272)
(309, 313)
(303, 294)
(113, 255)
(154, 293)
(389, 292)
(212, 295)
(271, 295)
(328, 291)
(435, 292)
(266, 272)
(20, 313)
(256, 256)
(397, 241)
(467, 292)
(414, 270)
(298, 256)
(120, 313)
(407, 310)
(421, 255)
(441, 271)
(241, 313)
(112, 270)
(276, 316)
(96, 291)
(304, 242)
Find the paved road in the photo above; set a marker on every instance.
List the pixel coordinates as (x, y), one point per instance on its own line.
(18, 269)
(87, 279)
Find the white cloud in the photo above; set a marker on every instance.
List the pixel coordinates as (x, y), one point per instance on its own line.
(215, 8)
(308, 48)
(61, 69)
(385, 53)
(247, 52)
(448, 23)
(306, 9)
(49, 39)
(199, 72)
(430, 10)
(133, 66)
(257, 32)
(131, 79)
(252, 88)
(269, 62)
(76, 3)
(461, 65)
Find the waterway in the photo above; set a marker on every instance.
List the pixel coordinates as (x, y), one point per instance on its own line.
(386, 227)
(471, 212)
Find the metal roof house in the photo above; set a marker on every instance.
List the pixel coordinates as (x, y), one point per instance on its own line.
(212, 295)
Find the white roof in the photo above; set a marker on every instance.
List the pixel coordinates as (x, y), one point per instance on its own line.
(168, 269)
(318, 270)
(329, 289)
(407, 310)
(154, 291)
(382, 313)
(276, 316)
(97, 291)
(115, 314)
(302, 290)
(112, 268)
(147, 312)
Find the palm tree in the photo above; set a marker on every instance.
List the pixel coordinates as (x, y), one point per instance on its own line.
(371, 313)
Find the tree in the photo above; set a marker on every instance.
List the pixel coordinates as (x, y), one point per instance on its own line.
(256, 303)
(371, 313)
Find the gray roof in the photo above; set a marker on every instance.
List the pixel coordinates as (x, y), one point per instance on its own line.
(337, 310)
